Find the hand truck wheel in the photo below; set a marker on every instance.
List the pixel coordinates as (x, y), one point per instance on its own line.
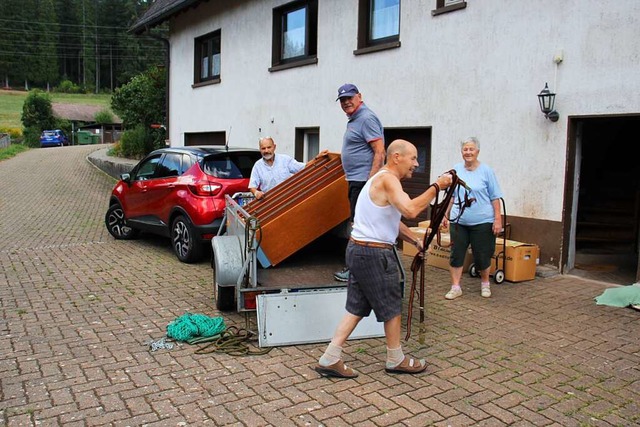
(472, 270)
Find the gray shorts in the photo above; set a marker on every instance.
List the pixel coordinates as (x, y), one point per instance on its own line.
(374, 282)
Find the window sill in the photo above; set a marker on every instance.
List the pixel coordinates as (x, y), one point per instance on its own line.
(377, 48)
(294, 64)
(446, 9)
(206, 83)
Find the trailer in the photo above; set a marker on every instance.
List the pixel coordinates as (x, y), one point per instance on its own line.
(277, 256)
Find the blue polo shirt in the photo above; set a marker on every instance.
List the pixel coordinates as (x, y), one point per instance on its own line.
(357, 155)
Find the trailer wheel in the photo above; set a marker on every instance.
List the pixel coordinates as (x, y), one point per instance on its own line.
(227, 268)
(498, 276)
(225, 297)
(472, 270)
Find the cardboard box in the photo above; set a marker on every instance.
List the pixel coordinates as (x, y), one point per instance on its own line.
(438, 255)
(427, 223)
(520, 258)
(409, 249)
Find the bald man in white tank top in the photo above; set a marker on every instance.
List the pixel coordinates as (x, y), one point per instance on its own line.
(374, 281)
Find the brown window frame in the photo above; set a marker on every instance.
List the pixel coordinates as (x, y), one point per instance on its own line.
(208, 41)
(441, 8)
(310, 55)
(365, 43)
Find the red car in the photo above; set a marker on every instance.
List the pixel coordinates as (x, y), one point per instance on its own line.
(179, 193)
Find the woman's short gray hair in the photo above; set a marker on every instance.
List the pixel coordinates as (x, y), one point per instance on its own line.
(471, 139)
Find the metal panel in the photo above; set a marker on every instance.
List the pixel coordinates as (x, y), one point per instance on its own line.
(305, 317)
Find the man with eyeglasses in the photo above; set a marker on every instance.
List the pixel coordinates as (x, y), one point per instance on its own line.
(362, 148)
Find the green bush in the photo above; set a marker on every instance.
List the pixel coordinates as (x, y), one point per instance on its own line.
(133, 143)
(32, 136)
(138, 142)
(104, 117)
(37, 112)
(142, 100)
(67, 86)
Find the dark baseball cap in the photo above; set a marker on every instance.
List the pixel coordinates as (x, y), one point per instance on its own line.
(347, 90)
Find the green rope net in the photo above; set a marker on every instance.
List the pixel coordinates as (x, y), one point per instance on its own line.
(189, 326)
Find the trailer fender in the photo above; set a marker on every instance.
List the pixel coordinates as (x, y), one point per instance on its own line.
(227, 260)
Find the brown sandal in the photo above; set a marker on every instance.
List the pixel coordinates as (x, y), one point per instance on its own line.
(408, 366)
(338, 370)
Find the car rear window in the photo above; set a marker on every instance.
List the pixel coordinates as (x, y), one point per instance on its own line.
(48, 133)
(230, 165)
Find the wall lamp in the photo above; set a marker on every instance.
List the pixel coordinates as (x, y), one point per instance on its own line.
(547, 99)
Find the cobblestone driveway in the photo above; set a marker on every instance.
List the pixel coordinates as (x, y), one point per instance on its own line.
(77, 307)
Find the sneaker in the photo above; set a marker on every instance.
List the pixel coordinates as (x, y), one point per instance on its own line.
(342, 276)
(454, 293)
(486, 292)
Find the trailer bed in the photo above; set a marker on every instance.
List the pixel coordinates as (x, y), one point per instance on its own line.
(311, 267)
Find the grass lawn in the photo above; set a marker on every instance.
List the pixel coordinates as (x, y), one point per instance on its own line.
(11, 104)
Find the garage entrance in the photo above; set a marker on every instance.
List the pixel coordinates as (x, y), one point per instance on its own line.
(604, 194)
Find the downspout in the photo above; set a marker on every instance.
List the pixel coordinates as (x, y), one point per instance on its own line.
(167, 60)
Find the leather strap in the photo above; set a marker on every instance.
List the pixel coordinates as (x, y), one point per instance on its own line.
(438, 212)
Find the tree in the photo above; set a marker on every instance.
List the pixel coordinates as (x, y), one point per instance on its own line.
(37, 115)
(142, 100)
(83, 41)
(45, 61)
(140, 103)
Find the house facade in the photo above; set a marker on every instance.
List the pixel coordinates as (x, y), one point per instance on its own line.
(435, 72)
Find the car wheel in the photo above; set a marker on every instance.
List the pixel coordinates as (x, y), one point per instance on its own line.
(117, 224)
(185, 245)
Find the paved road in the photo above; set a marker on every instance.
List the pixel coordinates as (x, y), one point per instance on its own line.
(77, 307)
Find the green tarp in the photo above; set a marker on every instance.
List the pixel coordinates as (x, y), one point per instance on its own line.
(623, 296)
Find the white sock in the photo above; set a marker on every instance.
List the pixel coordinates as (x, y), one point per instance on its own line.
(485, 284)
(395, 356)
(332, 355)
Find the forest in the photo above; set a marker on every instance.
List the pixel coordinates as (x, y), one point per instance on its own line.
(75, 45)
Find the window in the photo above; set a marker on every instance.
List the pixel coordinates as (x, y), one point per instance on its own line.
(295, 35)
(147, 169)
(207, 58)
(204, 138)
(170, 166)
(444, 6)
(230, 165)
(307, 144)
(378, 25)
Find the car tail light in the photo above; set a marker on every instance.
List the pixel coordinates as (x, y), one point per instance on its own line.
(205, 188)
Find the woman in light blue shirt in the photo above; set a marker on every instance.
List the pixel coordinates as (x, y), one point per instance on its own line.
(479, 224)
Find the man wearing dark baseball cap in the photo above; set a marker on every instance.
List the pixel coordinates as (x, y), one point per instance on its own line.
(362, 147)
(347, 90)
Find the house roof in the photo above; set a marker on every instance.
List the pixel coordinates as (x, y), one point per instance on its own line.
(159, 12)
(79, 112)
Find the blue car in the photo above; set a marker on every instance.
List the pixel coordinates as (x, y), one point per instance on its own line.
(53, 138)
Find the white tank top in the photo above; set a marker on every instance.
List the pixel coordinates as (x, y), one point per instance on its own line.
(373, 223)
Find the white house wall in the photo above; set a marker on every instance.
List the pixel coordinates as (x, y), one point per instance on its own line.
(475, 71)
